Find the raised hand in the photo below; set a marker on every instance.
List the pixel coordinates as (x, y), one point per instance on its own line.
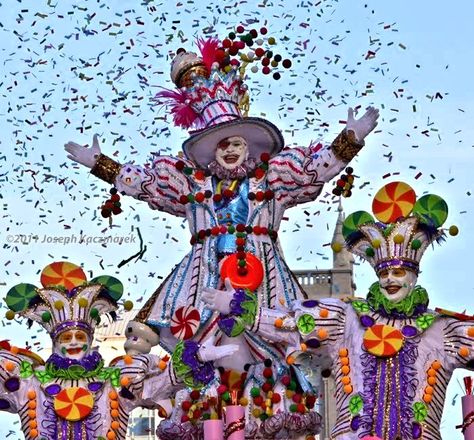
(210, 352)
(83, 155)
(219, 300)
(364, 125)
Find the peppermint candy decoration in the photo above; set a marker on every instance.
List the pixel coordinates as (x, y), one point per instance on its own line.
(185, 322)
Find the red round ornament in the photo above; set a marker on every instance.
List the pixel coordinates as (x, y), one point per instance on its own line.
(259, 173)
(267, 373)
(179, 165)
(199, 175)
(266, 387)
(260, 196)
(265, 157)
(195, 394)
(183, 199)
(199, 197)
(251, 280)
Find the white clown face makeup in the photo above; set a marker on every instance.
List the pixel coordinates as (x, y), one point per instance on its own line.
(73, 344)
(397, 283)
(231, 152)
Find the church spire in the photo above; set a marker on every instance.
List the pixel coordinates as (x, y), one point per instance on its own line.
(344, 258)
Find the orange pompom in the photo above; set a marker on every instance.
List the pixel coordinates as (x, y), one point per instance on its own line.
(115, 425)
(432, 381)
(343, 352)
(111, 435)
(464, 351)
(33, 424)
(125, 381)
(113, 395)
(290, 360)
(34, 433)
(114, 404)
(114, 413)
(429, 390)
(432, 372)
(278, 323)
(14, 350)
(427, 398)
(32, 404)
(470, 332)
(128, 359)
(32, 414)
(436, 365)
(344, 361)
(162, 365)
(345, 369)
(9, 366)
(322, 333)
(345, 380)
(324, 313)
(348, 389)
(303, 346)
(31, 394)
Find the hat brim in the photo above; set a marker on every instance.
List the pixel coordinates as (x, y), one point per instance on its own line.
(261, 135)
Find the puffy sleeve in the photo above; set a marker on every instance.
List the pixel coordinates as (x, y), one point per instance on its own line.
(312, 325)
(148, 380)
(160, 185)
(459, 342)
(297, 175)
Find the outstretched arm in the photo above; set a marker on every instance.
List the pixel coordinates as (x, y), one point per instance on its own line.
(297, 175)
(160, 185)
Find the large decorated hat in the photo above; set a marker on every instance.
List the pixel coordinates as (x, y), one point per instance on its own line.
(211, 99)
(66, 300)
(401, 231)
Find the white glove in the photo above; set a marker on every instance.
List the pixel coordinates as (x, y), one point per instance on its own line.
(83, 155)
(219, 300)
(364, 125)
(140, 338)
(209, 352)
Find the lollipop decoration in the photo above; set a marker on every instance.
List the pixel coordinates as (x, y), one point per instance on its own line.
(73, 404)
(185, 322)
(393, 201)
(62, 274)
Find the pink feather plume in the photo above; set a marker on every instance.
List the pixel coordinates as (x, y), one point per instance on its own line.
(183, 114)
(208, 50)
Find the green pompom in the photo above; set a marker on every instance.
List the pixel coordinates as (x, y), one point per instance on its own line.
(226, 396)
(255, 392)
(293, 407)
(46, 316)
(416, 244)
(369, 252)
(94, 313)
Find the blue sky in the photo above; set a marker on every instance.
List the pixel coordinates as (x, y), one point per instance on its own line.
(71, 69)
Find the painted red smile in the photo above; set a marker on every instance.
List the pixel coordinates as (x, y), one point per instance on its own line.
(231, 158)
(392, 289)
(74, 350)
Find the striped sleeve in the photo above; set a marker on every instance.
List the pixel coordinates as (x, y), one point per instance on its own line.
(297, 175)
(151, 380)
(459, 342)
(160, 185)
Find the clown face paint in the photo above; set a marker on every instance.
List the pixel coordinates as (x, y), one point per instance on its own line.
(231, 152)
(397, 283)
(73, 344)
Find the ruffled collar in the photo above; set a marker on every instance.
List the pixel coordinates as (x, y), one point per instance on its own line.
(414, 305)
